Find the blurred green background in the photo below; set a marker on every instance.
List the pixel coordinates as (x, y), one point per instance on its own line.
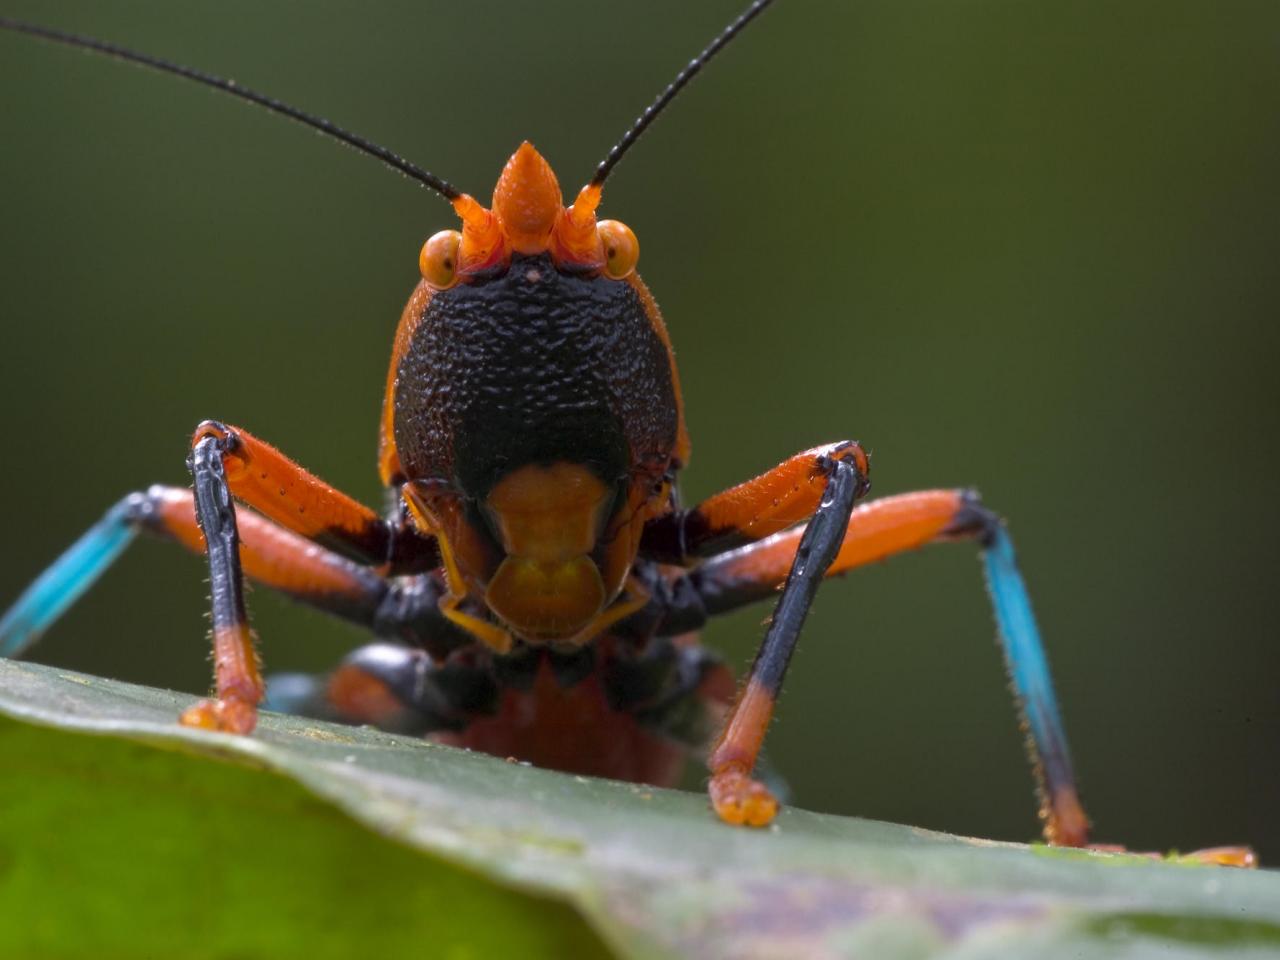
(1022, 246)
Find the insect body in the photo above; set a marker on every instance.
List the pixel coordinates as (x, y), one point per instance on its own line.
(536, 581)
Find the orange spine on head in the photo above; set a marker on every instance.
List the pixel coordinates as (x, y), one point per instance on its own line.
(576, 239)
(527, 201)
(527, 217)
(483, 243)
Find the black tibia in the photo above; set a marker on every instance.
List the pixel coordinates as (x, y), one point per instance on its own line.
(217, 518)
(818, 548)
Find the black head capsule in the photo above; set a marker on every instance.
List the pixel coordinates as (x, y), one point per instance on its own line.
(533, 406)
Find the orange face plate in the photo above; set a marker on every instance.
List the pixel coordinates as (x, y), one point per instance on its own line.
(549, 519)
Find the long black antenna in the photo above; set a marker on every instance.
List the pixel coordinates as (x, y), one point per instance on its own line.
(682, 79)
(396, 162)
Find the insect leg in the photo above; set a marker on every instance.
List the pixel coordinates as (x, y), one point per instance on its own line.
(893, 525)
(67, 579)
(226, 461)
(270, 554)
(751, 511)
(261, 476)
(400, 607)
(736, 797)
(237, 679)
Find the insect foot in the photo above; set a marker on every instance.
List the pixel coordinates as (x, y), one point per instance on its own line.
(232, 715)
(741, 801)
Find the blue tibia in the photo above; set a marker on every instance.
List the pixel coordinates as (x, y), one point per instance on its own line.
(1025, 656)
(65, 581)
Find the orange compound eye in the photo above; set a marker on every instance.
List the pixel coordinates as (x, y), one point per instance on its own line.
(621, 248)
(438, 260)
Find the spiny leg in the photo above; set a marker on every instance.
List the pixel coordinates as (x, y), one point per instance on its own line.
(738, 798)
(1064, 818)
(893, 525)
(260, 475)
(405, 607)
(401, 607)
(225, 460)
(237, 678)
(270, 555)
(267, 480)
(65, 581)
(772, 502)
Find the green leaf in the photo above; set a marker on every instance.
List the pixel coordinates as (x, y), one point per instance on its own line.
(137, 844)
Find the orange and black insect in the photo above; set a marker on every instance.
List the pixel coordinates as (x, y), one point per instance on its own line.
(536, 583)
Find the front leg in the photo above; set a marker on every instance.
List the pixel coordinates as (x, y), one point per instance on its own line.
(737, 798)
(227, 461)
(237, 678)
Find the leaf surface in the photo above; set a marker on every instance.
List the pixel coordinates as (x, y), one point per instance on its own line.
(251, 856)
